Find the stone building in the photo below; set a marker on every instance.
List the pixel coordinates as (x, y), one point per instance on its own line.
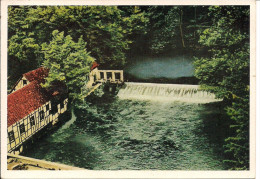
(31, 108)
(101, 76)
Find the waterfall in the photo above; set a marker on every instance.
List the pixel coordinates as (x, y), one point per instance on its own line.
(166, 92)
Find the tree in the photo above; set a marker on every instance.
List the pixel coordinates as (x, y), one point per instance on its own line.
(68, 62)
(23, 49)
(175, 27)
(225, 71)
(107, 30)
(238, 144)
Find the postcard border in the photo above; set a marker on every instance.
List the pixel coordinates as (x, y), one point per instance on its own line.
(128, 174)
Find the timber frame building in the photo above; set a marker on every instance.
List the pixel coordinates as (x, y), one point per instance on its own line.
(31, 107)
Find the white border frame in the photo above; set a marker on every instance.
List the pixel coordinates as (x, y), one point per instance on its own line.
(129, 173)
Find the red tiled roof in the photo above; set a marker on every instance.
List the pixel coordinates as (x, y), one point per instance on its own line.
(55, 93)
(25, 100)
(32, 96)
(38, 74)
(94, 65)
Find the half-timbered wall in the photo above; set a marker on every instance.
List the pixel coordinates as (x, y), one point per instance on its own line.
(25, 128)
(21, 83)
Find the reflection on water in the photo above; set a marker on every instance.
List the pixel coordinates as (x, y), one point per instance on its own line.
(132, 134)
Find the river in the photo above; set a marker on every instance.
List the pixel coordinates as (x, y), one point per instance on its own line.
(174, 69)
(119, 134)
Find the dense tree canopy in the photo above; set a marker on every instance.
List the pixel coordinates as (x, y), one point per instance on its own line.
(226, 72)
(68, 62)
(107, 30)
(174, 27)
(66, 39)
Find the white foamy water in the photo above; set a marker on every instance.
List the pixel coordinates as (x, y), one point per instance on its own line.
(166, 92)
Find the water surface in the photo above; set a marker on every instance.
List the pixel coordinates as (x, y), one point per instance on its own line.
(132, 134)
(161, 67)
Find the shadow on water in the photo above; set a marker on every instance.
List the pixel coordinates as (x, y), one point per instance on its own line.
(75, 153)
(63, 143)
(181, 80)
(215, 127)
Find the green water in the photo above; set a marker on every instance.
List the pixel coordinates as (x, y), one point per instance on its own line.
(131, 134)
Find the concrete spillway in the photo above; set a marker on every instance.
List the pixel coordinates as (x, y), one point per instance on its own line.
(166, 92)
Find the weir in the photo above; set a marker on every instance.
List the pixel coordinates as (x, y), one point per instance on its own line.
(166, 92)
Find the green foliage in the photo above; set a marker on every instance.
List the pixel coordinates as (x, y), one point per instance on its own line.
(162, 30)
(227, 64)
(23, 48)
(225, 71)
(238, 145)
(68, 62)
(175, 27)
(107, 30)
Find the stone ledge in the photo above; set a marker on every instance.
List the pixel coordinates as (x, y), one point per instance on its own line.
(18, 162)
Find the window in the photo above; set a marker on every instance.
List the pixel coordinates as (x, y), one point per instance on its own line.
(54, 108)
(11, 136)
(32, 121)
(101, 75)
(41, 115)
(95, 77)
(22, 128)
(117, 76)
(47, 107)
(109, 75)
(24, 82)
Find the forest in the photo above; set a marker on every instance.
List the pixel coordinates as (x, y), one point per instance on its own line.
(67, 39)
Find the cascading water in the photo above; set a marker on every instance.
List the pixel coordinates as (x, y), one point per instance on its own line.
(166, 92)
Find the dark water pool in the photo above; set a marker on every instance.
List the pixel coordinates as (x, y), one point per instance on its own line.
(132, 134)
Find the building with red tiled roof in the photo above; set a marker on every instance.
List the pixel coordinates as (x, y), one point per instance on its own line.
(35, 75)
(22, 102)
(31, 107)
(94, 65)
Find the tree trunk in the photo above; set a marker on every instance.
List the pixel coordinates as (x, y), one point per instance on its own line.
(182, 40)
